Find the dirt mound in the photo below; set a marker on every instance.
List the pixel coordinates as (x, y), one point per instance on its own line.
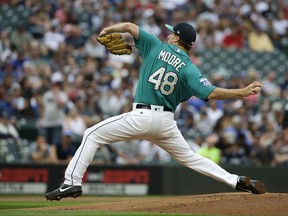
(224, 204)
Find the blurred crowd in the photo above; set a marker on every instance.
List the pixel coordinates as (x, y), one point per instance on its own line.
(56, 76)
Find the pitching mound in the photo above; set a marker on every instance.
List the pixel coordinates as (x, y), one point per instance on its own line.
(224, 204)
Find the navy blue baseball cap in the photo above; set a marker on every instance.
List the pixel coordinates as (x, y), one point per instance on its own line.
(185, 31)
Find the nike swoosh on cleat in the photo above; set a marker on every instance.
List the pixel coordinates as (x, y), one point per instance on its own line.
(64, 189)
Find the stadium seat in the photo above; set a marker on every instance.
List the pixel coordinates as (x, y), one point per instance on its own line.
(11, 15)
(27, 128)
(238, 60)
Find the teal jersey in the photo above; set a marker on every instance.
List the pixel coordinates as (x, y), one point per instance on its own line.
(167, 76)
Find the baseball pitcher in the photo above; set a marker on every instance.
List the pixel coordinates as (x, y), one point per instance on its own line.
(167, 78)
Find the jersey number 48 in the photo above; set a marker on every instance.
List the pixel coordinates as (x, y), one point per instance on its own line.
(165, 82)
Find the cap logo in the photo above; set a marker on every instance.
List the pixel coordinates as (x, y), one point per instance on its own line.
(178, 32)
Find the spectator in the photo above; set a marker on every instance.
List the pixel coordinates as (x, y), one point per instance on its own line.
(65, 149)
(89, 109)
(18, 65)
(30, 58)
(259, 41)
(209, 150)
(233, 153)
(128, 152)
(42, 152)
(54, 104)
(21, 38)
(115, 97)
(214, 112)
(151, 153)
(33, 80)
(276, 115)
(235, 38)
(38, 23)
(74, 122)
(269, 85)
(5, 45)
(203, 125)
(6, 104)
(30, 109)
(151, 25)
(74, 36)
(8, 129)
(94, 49)
(102, 156)
(284, 86)
(53, 38)
(18, 101)
(185, 117)
(243, 136)
(232, 142)
(267, 141)
(260, 155)
(8, 72)
(280, 23)
(280, 153)
(37, 56)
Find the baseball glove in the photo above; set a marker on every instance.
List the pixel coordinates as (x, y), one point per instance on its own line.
(115, 43)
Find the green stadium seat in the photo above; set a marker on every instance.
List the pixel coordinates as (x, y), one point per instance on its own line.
(27, 128)
(20, 8)
(238, 60)
(3, 150)
(5, 7)
(237, 67)
(11, 15)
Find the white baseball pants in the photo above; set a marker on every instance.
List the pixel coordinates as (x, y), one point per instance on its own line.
(156, 126)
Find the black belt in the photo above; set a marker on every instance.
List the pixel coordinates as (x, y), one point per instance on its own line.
(148, 106)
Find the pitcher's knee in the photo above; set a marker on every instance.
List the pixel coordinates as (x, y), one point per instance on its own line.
(90, 131)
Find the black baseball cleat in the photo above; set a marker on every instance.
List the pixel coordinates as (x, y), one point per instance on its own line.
(64, 191)
(246, 184)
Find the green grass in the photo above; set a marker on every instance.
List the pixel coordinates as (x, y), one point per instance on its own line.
(31, 206)
(72, 213)
(82, 213)
(13, 212)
